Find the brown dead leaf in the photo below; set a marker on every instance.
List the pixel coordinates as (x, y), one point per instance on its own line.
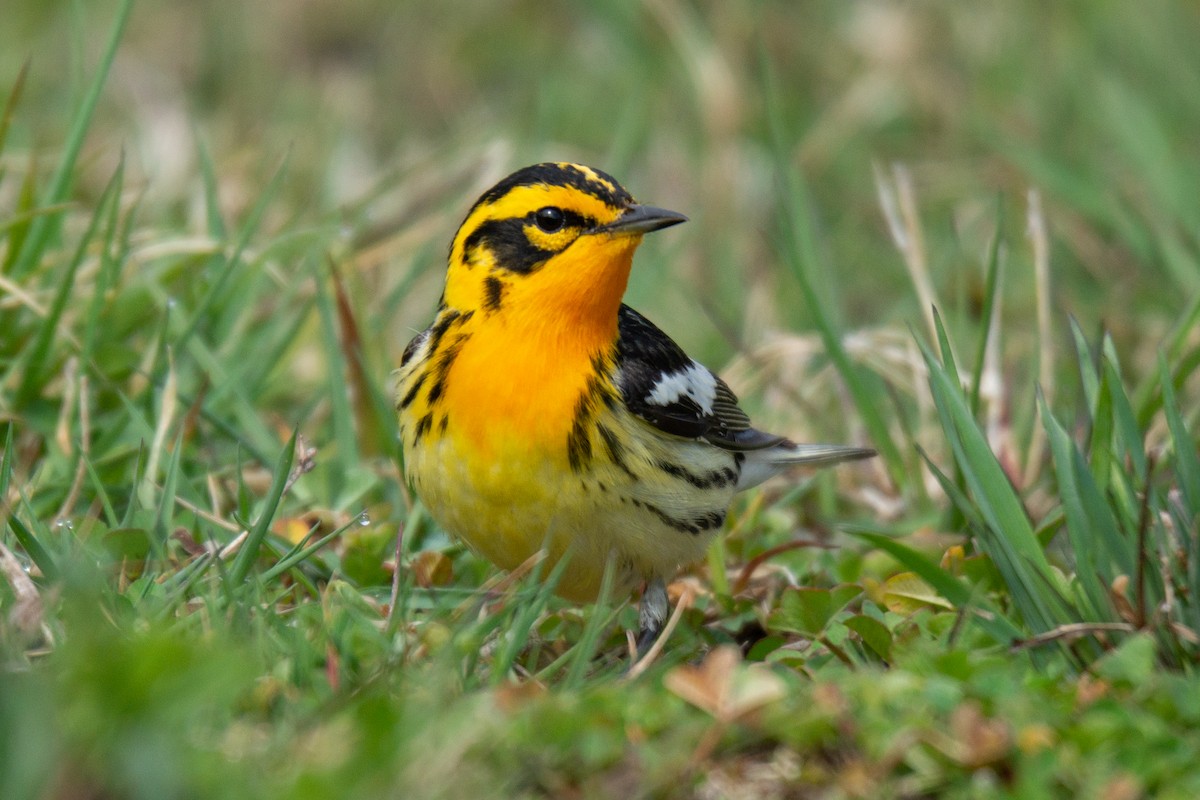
(293, 529)
(431, 568)
(953, 558)
(724, 687)
(706, 686)
(983, 741)
(511, 697)
(1035, 738)
(1123, 787)
(1089, 689)
(1119, 592)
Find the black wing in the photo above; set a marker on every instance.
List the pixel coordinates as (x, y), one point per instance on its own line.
(676, 394)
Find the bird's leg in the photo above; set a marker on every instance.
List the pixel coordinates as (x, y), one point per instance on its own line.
(652, 613)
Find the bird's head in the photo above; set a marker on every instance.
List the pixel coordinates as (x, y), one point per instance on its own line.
(551, 244)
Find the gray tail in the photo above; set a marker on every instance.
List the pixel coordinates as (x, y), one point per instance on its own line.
(819, 455)
(762, 464)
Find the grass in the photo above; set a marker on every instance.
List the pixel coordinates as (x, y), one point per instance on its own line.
(963, 235)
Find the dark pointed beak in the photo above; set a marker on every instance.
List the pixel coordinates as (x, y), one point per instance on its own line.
(639, 219)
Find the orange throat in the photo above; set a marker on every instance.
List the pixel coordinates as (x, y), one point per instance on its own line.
(518, 380)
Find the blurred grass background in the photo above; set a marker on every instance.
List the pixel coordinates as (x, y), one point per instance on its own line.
(256, 224)
(1092, 104)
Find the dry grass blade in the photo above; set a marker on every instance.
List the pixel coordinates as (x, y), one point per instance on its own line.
(27, 614)
(1040, 243)
(85, 437)
(898, 200)
(168, 405)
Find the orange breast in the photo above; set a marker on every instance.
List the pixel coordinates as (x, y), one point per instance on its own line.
(505, 391)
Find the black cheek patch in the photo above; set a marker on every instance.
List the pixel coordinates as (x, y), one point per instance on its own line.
(510, 247)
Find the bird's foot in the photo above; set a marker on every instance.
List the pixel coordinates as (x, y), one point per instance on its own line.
(652, 614)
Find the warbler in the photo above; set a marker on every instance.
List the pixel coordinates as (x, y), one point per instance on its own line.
(539, 411)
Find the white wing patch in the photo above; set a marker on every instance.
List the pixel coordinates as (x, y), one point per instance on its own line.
(694, 382)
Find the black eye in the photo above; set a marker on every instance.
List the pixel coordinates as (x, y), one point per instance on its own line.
(550, 219)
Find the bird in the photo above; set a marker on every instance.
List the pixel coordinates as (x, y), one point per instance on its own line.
(538, 412)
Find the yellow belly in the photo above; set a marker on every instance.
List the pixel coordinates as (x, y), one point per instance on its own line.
(518, 500)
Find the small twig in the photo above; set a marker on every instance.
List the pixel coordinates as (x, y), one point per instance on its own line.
(1074, 630)
(685, 602)
(1186, 633)
(233, 546)
(206, 515)
(753, 564)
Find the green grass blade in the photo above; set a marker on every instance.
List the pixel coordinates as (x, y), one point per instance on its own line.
(166, 499)
(1187, 464)
(1125, 420)
(46, 227)
(1010, 540)
(585, 649)
(249, 551)
(1101, 442)
(6, 463)
(301, 552)
(37, 357)
(109, 272)
(1100, 552)
(234, 259)
(1087, 365)
(14, 99)
(34, 549)
(340, 412)
(212, 202)
(955, 491)
(19, 222)
(102, 494)
(988, 322)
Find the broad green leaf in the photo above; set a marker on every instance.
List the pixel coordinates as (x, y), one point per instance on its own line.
(989, 618)
(873, 633)
(808, 610)
(907, 593)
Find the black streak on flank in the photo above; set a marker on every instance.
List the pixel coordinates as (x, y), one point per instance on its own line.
(411, 394)
(423, 426)
(442, 368)
(696, 525)
(717, 479)
(446, 320)
(493, 295)
(616, 450)
(579, 440)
